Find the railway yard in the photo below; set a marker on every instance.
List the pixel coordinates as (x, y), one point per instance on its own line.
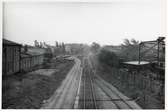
(83, 89)
(83, 54)
(79, 87)
(92, 79)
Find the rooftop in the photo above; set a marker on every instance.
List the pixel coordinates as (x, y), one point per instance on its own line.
(137, 63)
(8, 42)
(33, 51)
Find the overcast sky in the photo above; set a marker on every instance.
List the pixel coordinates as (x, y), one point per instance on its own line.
(69, 22)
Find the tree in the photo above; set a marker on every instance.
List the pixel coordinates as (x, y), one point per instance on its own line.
(44, 44)
(63, 46)
(129, 43)
(129, 49)
(134, 42)
(126, 42)
(41, 45)
(109, 58)
(36, 43)
(95, 47)
(57, 44)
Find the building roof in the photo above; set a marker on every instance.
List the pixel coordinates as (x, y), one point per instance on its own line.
(25, 55)
(33, 51)
(36, 51)
(8, 42)
(136, 63)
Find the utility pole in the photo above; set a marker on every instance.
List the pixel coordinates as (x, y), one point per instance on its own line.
(158, 52)
(139, 52)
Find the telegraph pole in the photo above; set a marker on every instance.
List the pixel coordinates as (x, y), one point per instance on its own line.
(139, 53)
(158, 52)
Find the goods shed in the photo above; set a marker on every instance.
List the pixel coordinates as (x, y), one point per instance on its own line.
(11, 57)
(32, 57)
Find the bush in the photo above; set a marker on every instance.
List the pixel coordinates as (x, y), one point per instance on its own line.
(109, 58)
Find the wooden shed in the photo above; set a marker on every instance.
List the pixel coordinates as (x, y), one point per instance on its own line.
(11, 57)
(32, 57)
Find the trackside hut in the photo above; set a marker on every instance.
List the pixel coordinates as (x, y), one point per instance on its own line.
(11, 57)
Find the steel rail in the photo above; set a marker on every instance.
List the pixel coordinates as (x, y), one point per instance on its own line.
(93, 92)
(115, 94)
(84, 85)
(109, 97)
(92, 86)
(105, 91)
(88, 87)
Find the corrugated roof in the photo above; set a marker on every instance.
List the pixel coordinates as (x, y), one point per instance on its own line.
(8, 42)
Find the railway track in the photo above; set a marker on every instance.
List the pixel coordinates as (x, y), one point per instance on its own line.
(114, 97)
(88, 97)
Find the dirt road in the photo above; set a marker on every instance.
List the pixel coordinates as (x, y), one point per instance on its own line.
(64, 97)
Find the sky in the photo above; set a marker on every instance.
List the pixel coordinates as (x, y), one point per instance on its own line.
(106, 23)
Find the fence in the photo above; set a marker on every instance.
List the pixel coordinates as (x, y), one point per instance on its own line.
(143, 80)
